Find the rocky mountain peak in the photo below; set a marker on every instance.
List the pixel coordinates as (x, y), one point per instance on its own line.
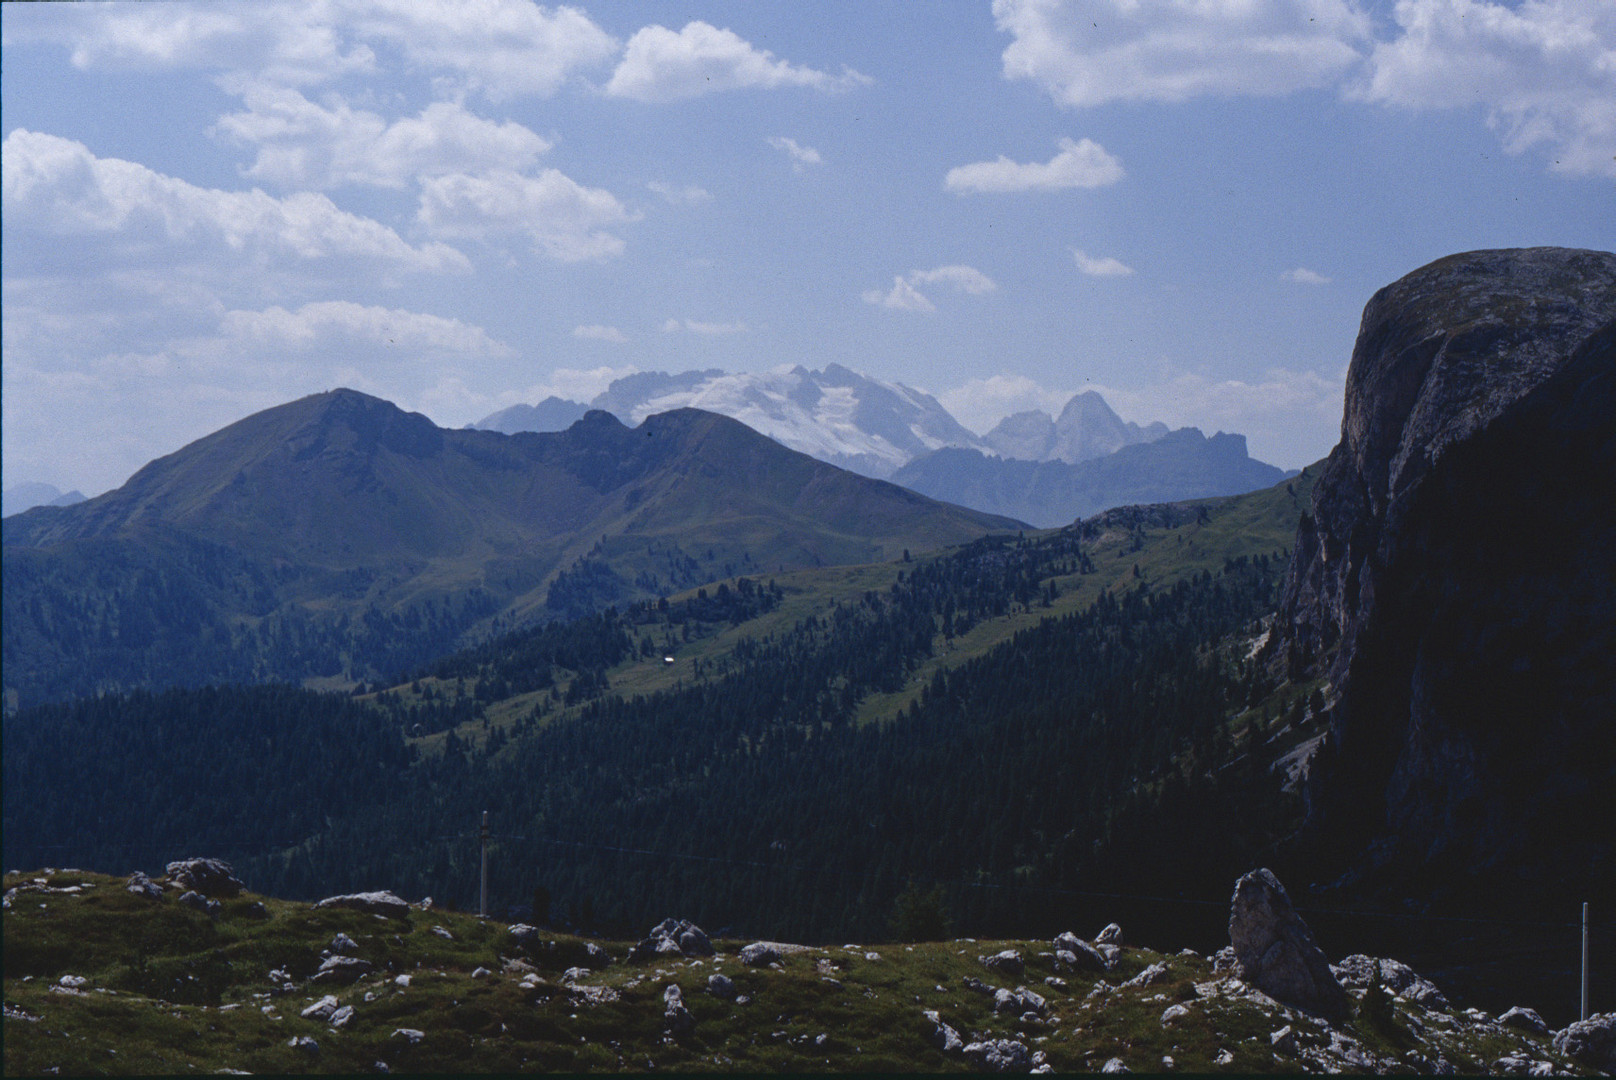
(1453, 578)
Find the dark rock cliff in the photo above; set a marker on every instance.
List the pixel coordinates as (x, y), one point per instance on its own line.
(1456, 582)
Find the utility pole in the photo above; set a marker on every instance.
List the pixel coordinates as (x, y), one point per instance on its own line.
(1584, 960)
(482, 897)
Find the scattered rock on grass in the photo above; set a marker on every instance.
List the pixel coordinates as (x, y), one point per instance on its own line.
(343, 970)
(320, 1010)
(999, 1055)
(1152, 975)
(942, 1036)
(1019, 1001)
(1174, 1013)
(141, 885)
(676, 1017)
(375, 903)
(409, 1035)
(721, 986)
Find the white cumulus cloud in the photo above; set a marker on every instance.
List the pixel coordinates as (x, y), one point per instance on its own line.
(713, 329)
(660, 65)
(56, 185)
(500, 48)
(565, 220)
(689, 195)
(600, 333)
(1082, 164)
(967, 279)
(1100, 267)
(1545, 70)
(1303, 276)
(1089, 52)
(903, 296)
(326, 321)
(303, 144)
(801, 156)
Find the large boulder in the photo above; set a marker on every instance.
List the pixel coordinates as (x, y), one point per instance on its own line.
(1275, 951)
(1591, 1042)
(376, 903)
(761, 954)
(1005, 962)
(1452, 579)
(213, 878)
(1077, 953)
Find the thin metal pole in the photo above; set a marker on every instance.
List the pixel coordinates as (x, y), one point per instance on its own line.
(482, 897)
(1585, 960)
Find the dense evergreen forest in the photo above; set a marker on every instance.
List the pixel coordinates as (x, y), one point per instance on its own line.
(1091, 751)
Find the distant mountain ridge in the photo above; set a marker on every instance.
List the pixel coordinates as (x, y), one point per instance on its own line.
(340, 537)
(26, 496)
(1087, 428)
(551, 414)
(1183, 464)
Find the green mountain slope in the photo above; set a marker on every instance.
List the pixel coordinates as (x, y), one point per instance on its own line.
(339, 538)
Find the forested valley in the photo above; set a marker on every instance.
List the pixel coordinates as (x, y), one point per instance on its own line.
(1099, 743)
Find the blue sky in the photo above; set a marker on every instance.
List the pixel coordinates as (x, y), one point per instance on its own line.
(213, 208)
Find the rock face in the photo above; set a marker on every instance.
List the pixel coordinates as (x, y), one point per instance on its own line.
(1275, 951)
(1454, 578)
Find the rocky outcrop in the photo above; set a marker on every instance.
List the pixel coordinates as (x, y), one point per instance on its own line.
(1454, 582)
(1591, 1041)
(1275, 950)
(672, 937)
(213, 878)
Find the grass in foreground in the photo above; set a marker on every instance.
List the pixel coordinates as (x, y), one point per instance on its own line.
(166, 989)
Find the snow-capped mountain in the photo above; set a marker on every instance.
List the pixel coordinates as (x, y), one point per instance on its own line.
(836, 415)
